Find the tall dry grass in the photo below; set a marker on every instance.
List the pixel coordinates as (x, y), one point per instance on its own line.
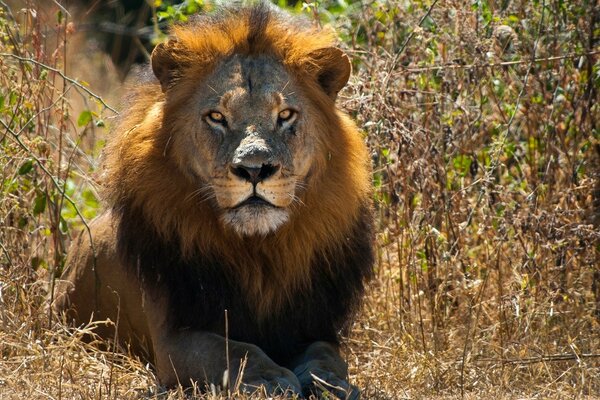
(482, 118)
(483, 124)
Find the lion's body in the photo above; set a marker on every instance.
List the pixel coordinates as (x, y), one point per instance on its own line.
(239, 196)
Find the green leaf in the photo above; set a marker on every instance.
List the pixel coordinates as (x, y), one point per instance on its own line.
(38, 262)
(39, 204)
(26, 167)
(13, 97)
(63, 226)
(163, 15)
(84, 118)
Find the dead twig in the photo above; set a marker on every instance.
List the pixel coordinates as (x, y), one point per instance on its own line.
(408, 39)
(498, 64)
(535, 360)
(62, 75)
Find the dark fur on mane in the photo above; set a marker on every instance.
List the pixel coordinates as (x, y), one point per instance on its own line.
(200, 289)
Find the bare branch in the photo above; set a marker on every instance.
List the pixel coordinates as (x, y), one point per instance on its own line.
(62, 75)
(499, 64)
(535, 360)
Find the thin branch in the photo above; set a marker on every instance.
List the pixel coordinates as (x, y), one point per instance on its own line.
(37, 115)
(56, 184)
(498, 64)
(412, 33)
(470, 324)
(408, 39)
(62, 8)
(495, 156)
(535, 360)
(8, 257)
(62, 75)
(11, 17)
(17, 139)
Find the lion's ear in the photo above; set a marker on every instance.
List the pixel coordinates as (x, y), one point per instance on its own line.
(333, 71)
(166, 62)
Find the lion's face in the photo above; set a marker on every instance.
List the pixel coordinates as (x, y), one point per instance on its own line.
(246, 143)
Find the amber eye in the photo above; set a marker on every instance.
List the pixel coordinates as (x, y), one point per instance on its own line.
(286, 115)
(216, 117)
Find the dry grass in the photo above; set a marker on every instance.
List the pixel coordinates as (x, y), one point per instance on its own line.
(483, 126)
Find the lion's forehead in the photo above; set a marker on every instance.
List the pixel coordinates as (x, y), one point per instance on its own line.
(250, 82)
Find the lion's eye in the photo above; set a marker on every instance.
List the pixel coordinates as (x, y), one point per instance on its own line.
(286, 115)
(216, 117)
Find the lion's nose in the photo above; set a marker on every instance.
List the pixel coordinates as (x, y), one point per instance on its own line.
(255, 175)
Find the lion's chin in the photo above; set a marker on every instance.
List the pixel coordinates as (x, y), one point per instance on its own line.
(255, 219)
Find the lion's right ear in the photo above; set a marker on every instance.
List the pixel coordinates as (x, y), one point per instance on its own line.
(167, 62)
(333, 69)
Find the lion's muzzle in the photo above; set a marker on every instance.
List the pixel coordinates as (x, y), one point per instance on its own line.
(257, 194)
(254, 175)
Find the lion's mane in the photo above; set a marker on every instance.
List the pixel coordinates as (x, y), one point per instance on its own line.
(320, 257)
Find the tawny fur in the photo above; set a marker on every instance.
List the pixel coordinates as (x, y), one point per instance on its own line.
(138, 170)
(172, 254)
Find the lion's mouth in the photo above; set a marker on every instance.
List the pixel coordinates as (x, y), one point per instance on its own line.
(255, 200)
(255, 216)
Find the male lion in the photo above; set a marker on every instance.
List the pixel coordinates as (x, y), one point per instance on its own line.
(239, 222)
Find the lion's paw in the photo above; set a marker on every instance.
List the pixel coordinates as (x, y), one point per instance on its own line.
(280, 381)
(325, 384)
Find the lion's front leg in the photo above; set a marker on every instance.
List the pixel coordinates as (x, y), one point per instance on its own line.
(321, 369)
(202, 357)
(185, 355)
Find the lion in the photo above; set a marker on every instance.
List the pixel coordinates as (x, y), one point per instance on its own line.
(237, 239)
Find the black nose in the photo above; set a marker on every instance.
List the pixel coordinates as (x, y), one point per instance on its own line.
(255, 175)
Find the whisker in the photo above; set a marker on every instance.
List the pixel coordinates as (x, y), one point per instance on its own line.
(296, 200)
(213, 89)
(167, 145)
(207, 196)
(284, 86)
(205, 193)
(300, 184)
(192, 195)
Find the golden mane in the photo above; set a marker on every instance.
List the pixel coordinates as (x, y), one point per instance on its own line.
(141, 173)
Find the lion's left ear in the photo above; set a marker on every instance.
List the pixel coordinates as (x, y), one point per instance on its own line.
(167, 62)
(333, 69)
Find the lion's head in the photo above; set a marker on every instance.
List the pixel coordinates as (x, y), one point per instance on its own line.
(239, 140)
(247, 137)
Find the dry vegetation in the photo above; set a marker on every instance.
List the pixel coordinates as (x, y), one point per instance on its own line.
(482, 119)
